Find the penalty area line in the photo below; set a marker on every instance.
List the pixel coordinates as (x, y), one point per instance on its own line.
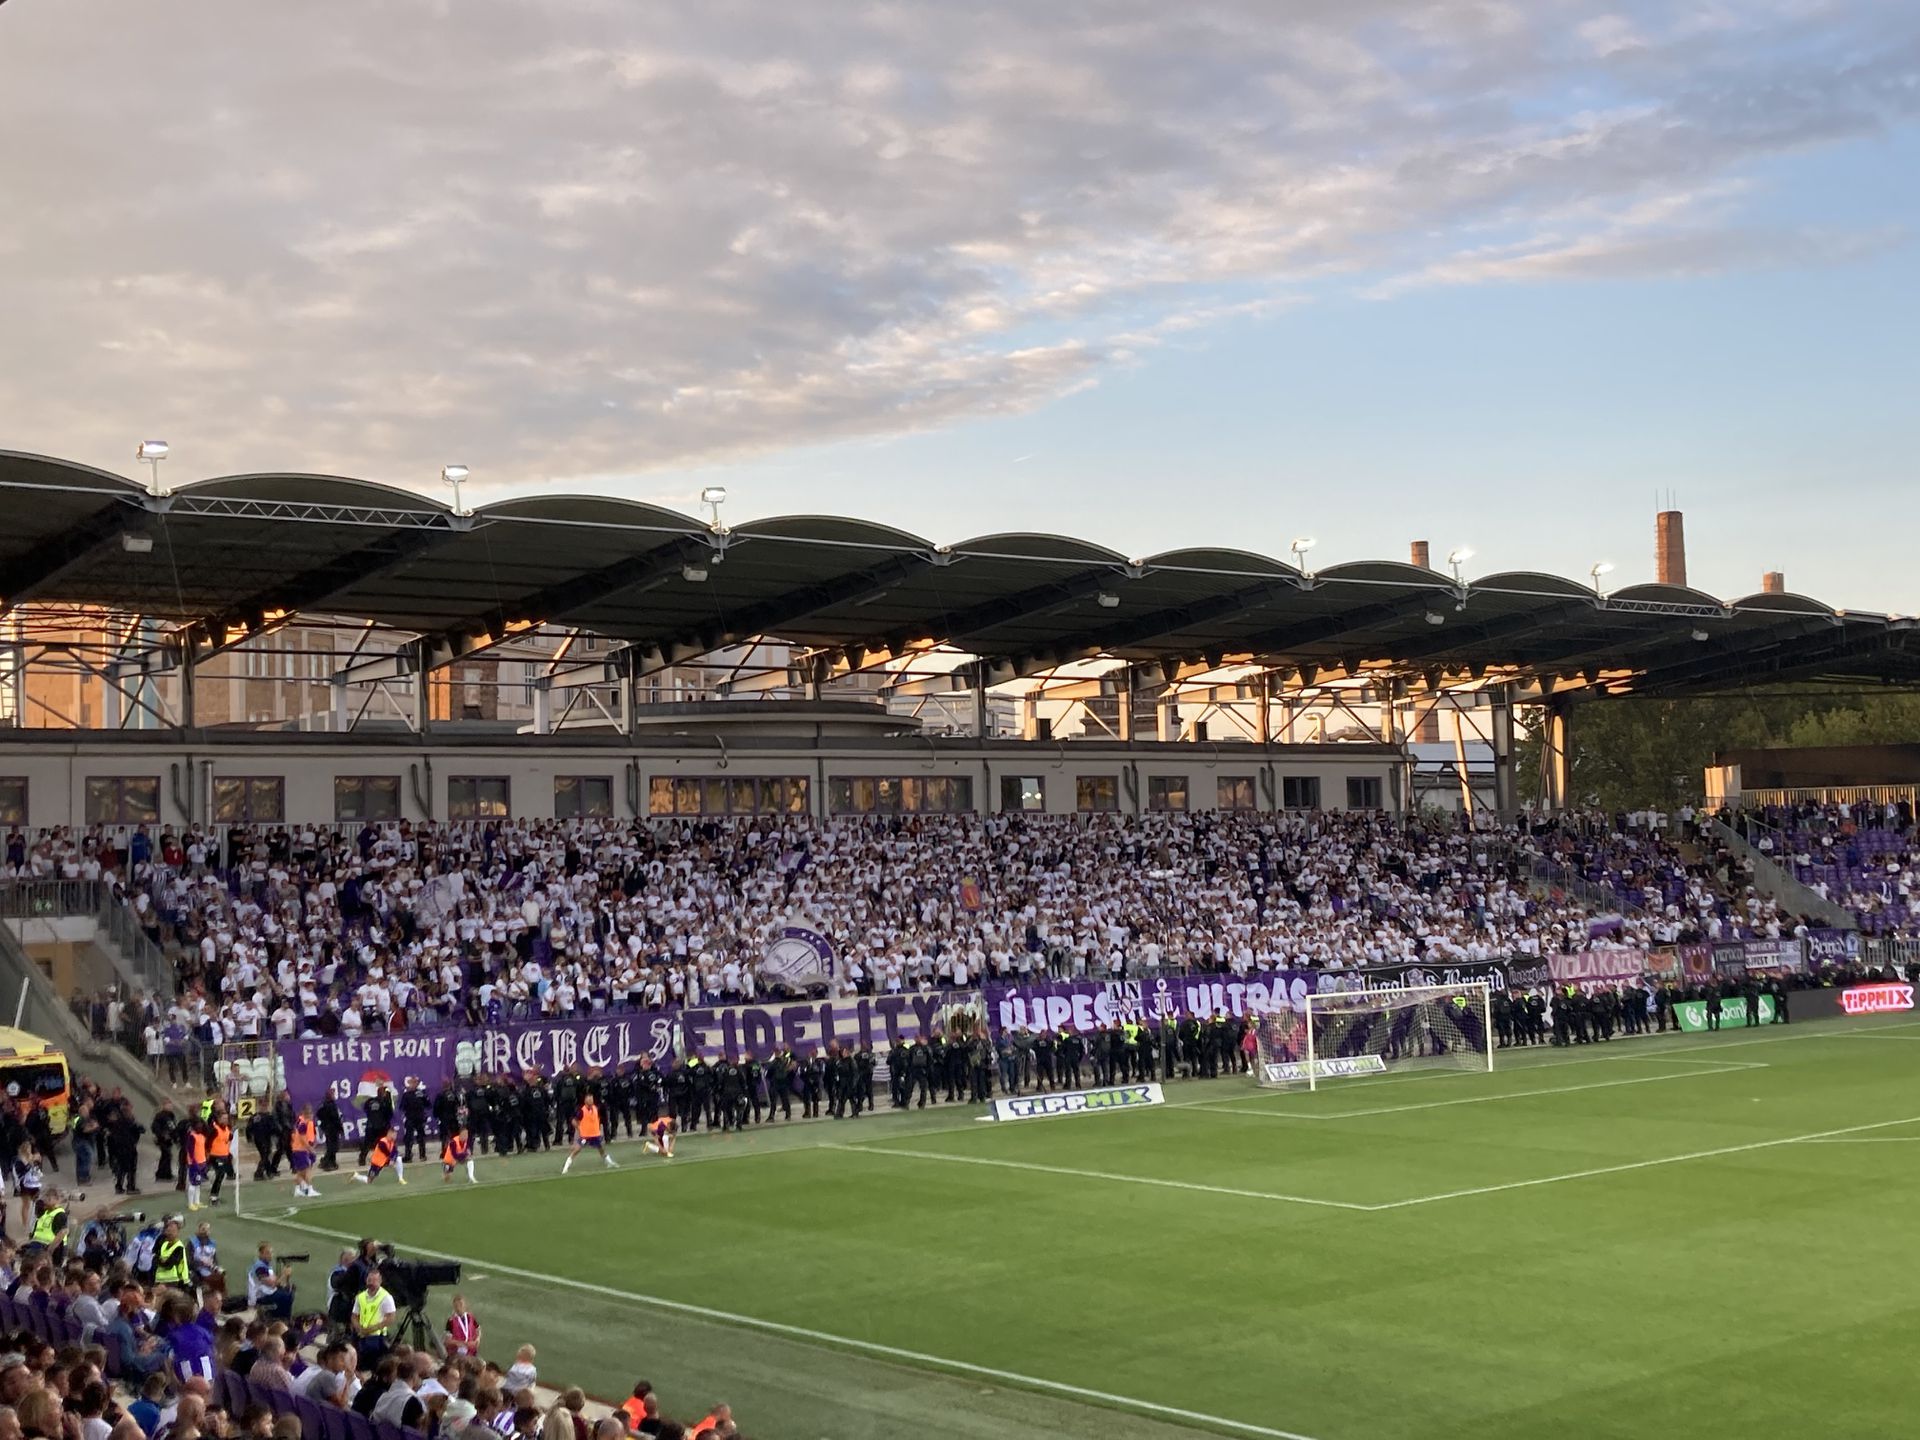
(896, 1152)
(917, 1358)
(1817, 1136)
(1219, 1107)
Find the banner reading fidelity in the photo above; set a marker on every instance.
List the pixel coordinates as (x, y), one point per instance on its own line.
(808, 1027)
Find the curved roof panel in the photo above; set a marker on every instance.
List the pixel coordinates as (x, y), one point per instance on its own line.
(835, 530)
(1226, 563)
(1666, 595)
(1385, 572)
(1019, 545)
(313, 490)
(1531, 582)
(607, 511)
(20, 468)
(1786, 602)
(229, 550)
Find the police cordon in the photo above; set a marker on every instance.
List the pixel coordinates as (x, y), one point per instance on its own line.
(1078, 1102)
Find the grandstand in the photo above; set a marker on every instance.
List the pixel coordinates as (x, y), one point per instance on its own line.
(578, 796)
(609, 616)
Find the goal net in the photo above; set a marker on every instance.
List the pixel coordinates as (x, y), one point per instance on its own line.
(1370, 1032)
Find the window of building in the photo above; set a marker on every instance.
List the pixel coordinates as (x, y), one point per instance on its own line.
(1363, 792)
(1096, 792)
(727, 795)
(123, 800)
(13, 800)
(582, 797)
(1234, 792)
(478, 797)
(249, 800)
(1166, 792)
(900, 795)
(366, 797)
(1023, 792)
(1300, 792)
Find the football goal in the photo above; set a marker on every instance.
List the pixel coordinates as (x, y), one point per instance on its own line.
(1346, 1033)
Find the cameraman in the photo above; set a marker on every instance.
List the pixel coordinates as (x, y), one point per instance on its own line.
(374, 1317)
(270, 1287)
(342, 1285)
(48, 1237)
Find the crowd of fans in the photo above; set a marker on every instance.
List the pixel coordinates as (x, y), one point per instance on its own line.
(107, 1333)
(292, 930)
(282, 930)
(1864, 857)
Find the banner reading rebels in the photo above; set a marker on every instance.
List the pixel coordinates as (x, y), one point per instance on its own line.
(352, 1069)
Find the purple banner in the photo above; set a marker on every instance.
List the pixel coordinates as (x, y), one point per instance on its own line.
(1082, 1006)
(807, 1027)
(1255, 994)
(1598, 965)
(352, 1070)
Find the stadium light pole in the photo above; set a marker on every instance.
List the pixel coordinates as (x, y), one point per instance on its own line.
(1456, 559)
(1603, 568)
(1300, 547)
(455, 475)
(151, 453)
(713, 497)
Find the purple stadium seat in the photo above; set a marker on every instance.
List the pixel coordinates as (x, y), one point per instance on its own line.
(313, 1418)
(359, 1427)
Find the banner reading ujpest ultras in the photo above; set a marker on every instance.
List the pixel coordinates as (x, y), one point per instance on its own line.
(808, 1027)
(352, 1070)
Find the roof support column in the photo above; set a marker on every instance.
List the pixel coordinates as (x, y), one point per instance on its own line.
(1505, 797)
(1168, 711)
(979, 706)
(629, 685)
(542, 708)
(422, 687)
(1460, 770)
(1556, 769)
(189, 708)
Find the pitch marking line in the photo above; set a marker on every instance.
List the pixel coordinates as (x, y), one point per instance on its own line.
(838, 1342)
(1867, 1140)
(1818, 1135)
(878, 1148)
(1226, 1107)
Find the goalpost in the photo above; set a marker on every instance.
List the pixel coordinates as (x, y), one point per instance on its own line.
(1370, 1032)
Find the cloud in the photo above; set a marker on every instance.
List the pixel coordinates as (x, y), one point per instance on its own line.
(591, 238)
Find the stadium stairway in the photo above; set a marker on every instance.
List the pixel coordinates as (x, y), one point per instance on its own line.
(1778, 883)
(46, 1014)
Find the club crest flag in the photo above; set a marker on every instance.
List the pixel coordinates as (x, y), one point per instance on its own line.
(798, 957)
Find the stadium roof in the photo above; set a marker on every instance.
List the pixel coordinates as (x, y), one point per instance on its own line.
(222, 558)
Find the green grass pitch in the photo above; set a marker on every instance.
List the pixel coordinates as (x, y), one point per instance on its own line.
(1682, 1236)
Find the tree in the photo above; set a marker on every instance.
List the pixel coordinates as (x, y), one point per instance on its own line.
(1628, 752)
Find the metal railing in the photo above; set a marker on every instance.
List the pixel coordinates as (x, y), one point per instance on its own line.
(1884, 951)
(145, 964)
(1774, 873)
(1829, 795)
(1550, 874)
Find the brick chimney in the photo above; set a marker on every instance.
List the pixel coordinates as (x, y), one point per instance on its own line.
(1774, 582)
(1669, 548)
(1422, 556)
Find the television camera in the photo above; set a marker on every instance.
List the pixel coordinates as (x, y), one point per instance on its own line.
(409, 1282)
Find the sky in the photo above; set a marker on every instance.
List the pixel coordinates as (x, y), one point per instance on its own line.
(1506, 276)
